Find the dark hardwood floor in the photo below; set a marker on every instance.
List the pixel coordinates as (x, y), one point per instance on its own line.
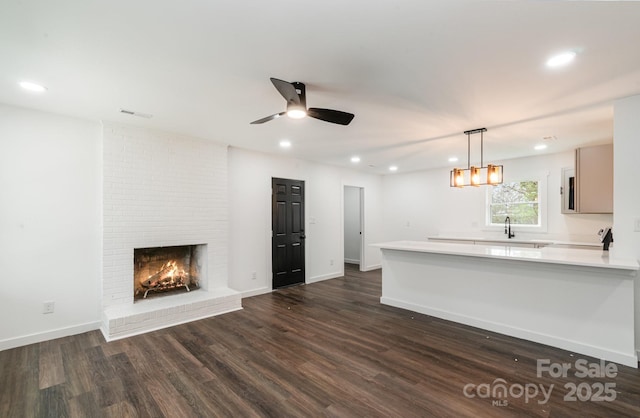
(325, 349)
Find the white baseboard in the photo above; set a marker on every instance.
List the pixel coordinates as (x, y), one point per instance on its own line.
(265, 290)
(627, 359)
(256, 292)
(373, 267)
(351, 261)
(324, 277)
(48, 335)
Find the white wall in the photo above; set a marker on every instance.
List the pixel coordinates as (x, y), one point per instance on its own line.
(421, 204)
(250, 176)
(352, 240)
(50, 225)
(626, 197)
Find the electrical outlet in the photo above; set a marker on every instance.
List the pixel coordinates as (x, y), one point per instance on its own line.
(48, 307)
(331, 262)
(253, 275)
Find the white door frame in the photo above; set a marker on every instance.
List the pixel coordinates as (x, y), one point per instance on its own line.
(362, 225)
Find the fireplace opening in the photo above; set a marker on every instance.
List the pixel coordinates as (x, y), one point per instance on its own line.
(166, 270)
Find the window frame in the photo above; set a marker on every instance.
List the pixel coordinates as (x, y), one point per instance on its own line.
(542, 206)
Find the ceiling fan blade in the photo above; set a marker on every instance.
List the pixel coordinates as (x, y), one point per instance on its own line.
(268, 118)
(287, 90)
(330, 115)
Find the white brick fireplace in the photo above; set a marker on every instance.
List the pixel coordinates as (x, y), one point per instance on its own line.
(162, 190)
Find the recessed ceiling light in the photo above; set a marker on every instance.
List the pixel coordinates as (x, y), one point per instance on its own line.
(561, 59)
(33, 87)
(393, 168)
(285, 144)
(453, 159)
(540, 147)
(355, 159)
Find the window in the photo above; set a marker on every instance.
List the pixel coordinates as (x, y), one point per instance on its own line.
(517, 200)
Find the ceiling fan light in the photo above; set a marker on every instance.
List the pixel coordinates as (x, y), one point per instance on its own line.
(296, 112)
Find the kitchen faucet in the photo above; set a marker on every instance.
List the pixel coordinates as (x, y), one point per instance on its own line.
(507, 228)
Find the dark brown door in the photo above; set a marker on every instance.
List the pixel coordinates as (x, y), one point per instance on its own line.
(288, 232)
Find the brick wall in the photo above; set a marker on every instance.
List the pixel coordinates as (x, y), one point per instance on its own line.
(160, 189)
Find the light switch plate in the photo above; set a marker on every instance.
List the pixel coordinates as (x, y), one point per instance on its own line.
(636, 225)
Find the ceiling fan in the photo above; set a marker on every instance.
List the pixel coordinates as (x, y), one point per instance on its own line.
(294, 94)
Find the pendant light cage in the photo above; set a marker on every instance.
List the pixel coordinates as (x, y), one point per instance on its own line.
(491, 174)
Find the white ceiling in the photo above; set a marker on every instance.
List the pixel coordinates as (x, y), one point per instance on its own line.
(415, 73)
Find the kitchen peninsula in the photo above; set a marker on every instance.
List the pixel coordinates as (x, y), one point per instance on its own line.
(575, 299)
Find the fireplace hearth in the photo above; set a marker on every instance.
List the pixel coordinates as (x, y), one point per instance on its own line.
(166, 270)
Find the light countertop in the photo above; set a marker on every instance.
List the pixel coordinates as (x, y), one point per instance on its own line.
(551, 255)
(542, 242)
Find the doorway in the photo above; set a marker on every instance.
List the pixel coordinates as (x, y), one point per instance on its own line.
(288, 234)
(353, 226)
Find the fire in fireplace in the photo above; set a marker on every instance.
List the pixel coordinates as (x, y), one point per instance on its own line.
(161, 270)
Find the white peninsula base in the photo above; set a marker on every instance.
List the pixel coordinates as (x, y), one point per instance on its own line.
(571, 299)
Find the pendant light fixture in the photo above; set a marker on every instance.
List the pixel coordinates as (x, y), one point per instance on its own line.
(472, 175)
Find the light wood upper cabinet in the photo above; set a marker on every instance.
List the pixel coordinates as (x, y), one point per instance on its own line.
(594, 179)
